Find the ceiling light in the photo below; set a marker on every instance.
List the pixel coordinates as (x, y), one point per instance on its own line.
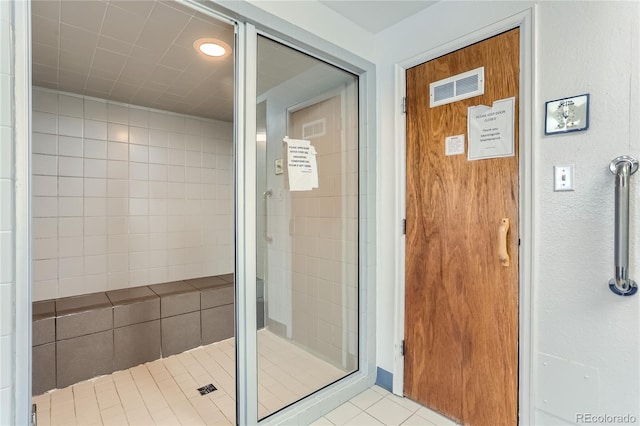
(211, 47)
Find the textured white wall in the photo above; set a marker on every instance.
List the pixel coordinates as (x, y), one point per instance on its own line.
(580, 328)
(578, 319)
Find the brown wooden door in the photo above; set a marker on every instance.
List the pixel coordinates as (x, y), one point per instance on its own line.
(461, 304)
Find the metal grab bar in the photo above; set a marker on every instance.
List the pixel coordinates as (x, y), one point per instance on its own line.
(622, 167)
(268, 193)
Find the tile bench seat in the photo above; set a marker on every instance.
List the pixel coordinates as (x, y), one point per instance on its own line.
(84, 338)
(216, 301)
(180, 316)
(136, 326)
(80, 337)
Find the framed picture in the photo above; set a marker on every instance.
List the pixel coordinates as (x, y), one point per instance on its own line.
(567, 115)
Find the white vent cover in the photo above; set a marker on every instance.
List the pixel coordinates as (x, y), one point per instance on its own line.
(314, 129)
(461, 86)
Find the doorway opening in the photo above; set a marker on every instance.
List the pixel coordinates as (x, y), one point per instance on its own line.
(523, 194)
(307, 235)
(133, 213)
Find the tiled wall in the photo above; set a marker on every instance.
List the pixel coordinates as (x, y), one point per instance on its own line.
(125, 196)
(7, 223)
(325, 238)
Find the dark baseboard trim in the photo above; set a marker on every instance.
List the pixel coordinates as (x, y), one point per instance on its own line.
(384, 379)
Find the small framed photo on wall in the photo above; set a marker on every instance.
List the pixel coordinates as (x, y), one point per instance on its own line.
(567, 115)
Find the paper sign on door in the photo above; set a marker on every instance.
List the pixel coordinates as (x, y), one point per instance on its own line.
(490, 130)
(302, 166)
(454, 145)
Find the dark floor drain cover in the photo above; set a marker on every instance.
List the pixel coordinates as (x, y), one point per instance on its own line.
(207, 389)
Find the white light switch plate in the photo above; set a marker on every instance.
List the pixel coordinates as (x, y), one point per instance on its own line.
(563, 177)
(278, 164)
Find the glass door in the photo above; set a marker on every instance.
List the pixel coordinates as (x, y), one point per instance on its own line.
(307, 225)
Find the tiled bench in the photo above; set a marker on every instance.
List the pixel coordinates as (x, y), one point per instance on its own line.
(136, 326)
(77, 338)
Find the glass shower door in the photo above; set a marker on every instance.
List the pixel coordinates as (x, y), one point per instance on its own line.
(307, 225)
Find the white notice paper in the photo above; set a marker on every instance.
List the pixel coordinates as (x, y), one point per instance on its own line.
(490, 130)
(301, 165)
(454, 145)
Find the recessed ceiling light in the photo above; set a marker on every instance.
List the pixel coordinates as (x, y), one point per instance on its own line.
(211, 47)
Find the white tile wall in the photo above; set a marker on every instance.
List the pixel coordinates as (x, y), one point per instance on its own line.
(122, 194)
(315, 268)
(7, 223)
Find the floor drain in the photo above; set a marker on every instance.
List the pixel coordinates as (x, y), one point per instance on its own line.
(207, 389)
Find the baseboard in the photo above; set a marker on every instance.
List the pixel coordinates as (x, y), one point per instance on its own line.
(384, 379)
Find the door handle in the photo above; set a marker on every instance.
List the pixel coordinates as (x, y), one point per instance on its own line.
(265, 197)
(503, 232)
(622, 167)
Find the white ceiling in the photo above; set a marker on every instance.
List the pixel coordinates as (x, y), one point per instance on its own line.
(138, 52)
(141, 51)
(376, 15)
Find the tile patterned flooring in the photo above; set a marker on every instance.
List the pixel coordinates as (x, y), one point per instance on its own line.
(376, 406)
(164, 392)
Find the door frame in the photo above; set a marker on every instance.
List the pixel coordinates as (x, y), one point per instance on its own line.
(525, 21)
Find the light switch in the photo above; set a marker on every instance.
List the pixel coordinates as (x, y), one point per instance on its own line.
(563, 178)
(279, 166)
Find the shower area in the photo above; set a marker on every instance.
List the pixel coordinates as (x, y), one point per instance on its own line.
(134, 222)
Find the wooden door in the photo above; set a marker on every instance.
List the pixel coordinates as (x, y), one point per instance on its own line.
(461, 304)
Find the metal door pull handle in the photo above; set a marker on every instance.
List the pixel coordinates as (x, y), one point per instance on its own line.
(503, 232)
(268, 193)
(622, 167)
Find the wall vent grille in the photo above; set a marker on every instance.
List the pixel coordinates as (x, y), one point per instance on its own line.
(461, 86)
(314, 129)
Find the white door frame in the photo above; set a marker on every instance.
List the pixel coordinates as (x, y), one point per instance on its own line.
(22, 255)
(524, 21)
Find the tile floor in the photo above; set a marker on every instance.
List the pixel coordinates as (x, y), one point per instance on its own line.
(164, 392)
(376, 406)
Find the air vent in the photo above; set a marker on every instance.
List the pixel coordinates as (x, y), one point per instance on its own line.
(314, 129)
(461, 86)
